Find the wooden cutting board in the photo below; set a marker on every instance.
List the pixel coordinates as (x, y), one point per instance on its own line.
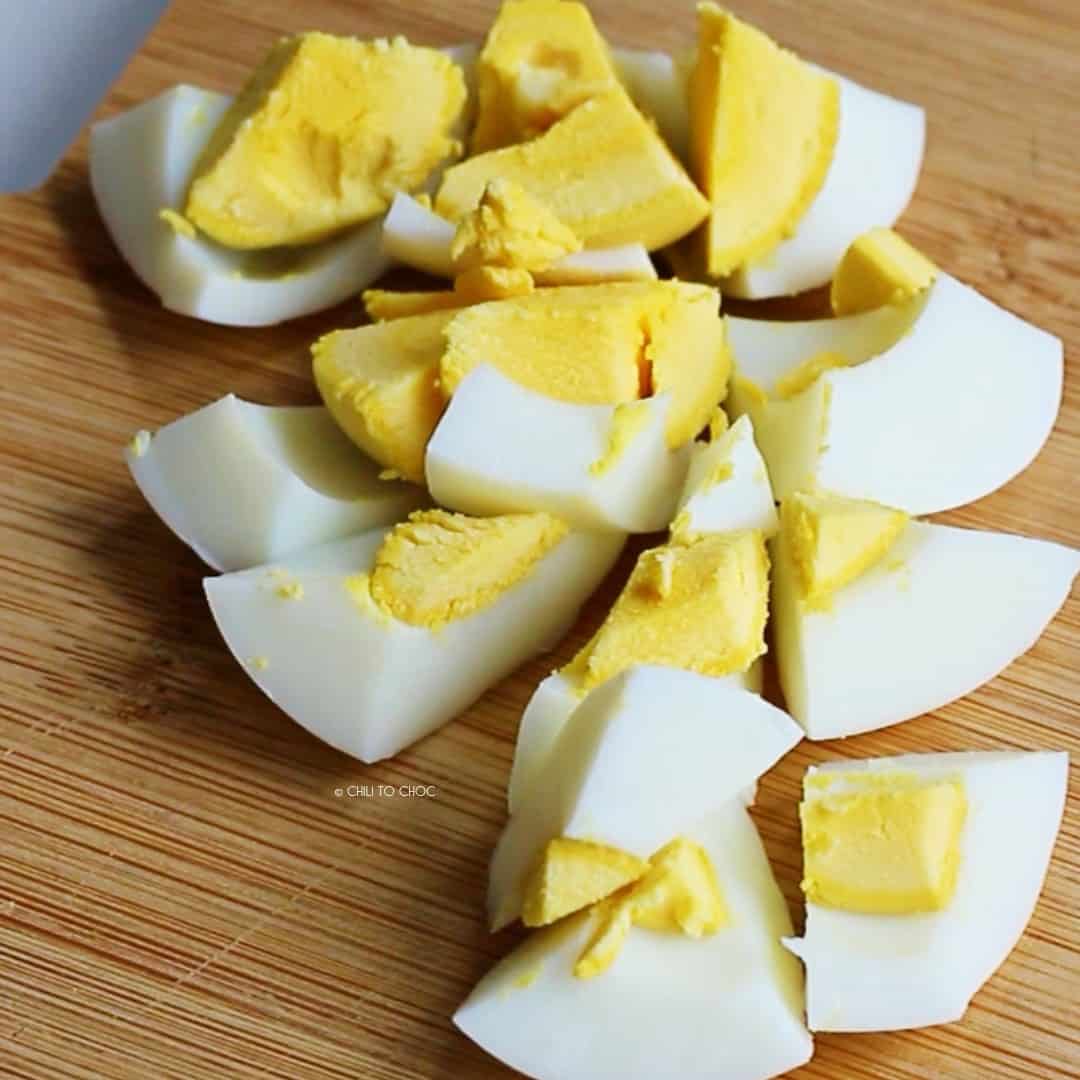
(183, 892)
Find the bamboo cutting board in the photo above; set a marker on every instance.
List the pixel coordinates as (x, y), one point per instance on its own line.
(183, 890)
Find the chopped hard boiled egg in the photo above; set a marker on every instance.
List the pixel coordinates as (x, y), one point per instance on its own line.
(763, 127)
(416, 236)
(140, 164)
(727, 486)
(380, 384)
(325, 132)
(729, 1003)
(921, 873)
(879, 268)
(656, 82)
(970, 385)
(642, 755)
(602, 169)
(602, 466)
(541, 59)
(244, 484)
(949, 607)
(374, 641)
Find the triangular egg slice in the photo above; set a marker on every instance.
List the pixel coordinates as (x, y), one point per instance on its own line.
(726, 1003)
(374, 641)
(921, 873)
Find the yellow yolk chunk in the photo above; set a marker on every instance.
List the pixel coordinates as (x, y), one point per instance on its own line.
(833, 540)
(571, 874)
(512, 229)
(886, 844)
(483, 283)
(540, 60)
(437, 566)
(380, 384)
(602, 170)
(679, 893)
(325, 132)
(383, 305)
(763, 127)
(602, 344)
(626, 424)
(799, 378)
(697, 603)
(880, 267)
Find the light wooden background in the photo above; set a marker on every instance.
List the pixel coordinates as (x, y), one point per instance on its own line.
(181, 893)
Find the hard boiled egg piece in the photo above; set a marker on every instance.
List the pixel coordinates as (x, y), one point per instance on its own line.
(373, 642)
(930, 614)
(501, 447)
(420, 238)
(551, 705)
(647, 753)
(921, 873)
(727, 486)
(969, 384)
(657, 83)
(728, 1004)
(141, 162)
(243, 484)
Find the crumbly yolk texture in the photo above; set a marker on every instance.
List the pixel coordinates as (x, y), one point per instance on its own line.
(833, 540)
(882, 843)
(572, 874)
(325, 132)
(800, 377)
(627, 422)
(698, 602)
(482, 283)
(382, 305)
(437, 566)
(679, 893)
(602, 344)
(540, 60)
(880, 267)
(763, 128)
(380, 384)
(510, 228)
(602, 170)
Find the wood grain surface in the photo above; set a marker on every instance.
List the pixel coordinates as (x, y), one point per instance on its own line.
(182, 891)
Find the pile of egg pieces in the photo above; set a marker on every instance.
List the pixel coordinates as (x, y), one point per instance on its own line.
(663, 945)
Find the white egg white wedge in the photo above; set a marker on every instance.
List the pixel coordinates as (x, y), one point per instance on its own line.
(871, 179)
(367, 683)
(727, 485)
(643, 756)
(141, 162)
(551, 705)
(869, 972)
(764, 350)
(418, 237)
(943, 612)
(243, 484)
(657, 83)
(728, 1005)
(501, 447)
(956, 408)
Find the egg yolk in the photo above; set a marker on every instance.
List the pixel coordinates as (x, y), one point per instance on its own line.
(325, 132)
(437, 566)
(763, 127)
(880, 267)
(602, 170)
(833, 540)
(697, 603)
(882, 843)
(572, 874)
(679, 893)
